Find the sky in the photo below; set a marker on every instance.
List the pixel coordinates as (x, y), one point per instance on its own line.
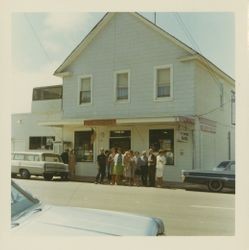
(41, 41)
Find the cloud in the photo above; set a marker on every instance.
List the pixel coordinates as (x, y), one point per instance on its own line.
(65, 22)
(62, 31)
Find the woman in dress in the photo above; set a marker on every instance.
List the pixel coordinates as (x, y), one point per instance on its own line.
(111, 164)
(118, 169)
(160, 163)
(129, 163)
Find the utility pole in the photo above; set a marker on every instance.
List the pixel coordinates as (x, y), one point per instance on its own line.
(155, 18)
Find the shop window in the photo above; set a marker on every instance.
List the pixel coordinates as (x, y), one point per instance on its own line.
(120, 139)
(84, 145)
(122, 86)
(41, 142)
(163, 139)
(85, 90)
(163, 82)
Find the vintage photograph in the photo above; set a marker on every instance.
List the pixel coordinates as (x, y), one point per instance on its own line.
(127, 125)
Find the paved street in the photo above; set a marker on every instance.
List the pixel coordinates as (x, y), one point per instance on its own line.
(185, 213)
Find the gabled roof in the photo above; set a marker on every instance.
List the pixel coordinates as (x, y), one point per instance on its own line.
(105, 20)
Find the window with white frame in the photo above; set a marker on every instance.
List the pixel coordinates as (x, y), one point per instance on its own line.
(122, 86)
(163, 82)
(85, 90)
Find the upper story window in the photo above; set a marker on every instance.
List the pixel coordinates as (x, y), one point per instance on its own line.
(163, 82)
(47, 93)
(85, 90)
(122, 86)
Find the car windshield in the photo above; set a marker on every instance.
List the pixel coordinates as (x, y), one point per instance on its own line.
(223, 164)
(20, 200)
(51, 158)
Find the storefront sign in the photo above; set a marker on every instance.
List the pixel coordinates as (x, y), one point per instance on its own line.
(183, 136)
(207, 125)
(207, 128)
(186, 119)
(106, 122)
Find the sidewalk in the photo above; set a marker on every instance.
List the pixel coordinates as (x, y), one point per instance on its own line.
(91, 179)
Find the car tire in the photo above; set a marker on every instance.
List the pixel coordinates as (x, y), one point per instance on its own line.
(24, 174)
(13, 175)
(215, 185)
(48, 177)
(64, 177)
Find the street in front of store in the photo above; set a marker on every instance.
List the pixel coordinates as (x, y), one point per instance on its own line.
(184, 212)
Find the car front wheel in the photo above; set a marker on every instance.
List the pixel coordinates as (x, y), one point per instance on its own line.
(25, 174)
(215, 185)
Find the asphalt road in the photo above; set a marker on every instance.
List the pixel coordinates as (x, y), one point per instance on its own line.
(185, 213)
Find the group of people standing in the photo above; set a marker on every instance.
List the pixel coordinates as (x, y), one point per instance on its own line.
(131, 167)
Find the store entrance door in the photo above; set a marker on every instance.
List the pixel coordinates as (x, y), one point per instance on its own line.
(120, 139)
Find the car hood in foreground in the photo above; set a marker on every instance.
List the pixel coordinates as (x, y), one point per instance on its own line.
(55, 220)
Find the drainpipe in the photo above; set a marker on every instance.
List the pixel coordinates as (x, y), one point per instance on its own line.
(229, 145)
(197, 144)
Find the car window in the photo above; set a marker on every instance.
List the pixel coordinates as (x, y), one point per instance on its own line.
(29, 158)
(222, 164)
(20, 201)
(36, 158)
(19, 157)
(232, 167)
(51, 158)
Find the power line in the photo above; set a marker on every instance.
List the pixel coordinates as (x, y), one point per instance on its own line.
(37, 38)
(197, 48)
(215, 109)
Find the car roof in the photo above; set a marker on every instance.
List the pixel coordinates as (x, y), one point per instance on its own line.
(34, 152)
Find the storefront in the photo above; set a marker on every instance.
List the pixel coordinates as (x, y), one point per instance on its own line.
(174, 135)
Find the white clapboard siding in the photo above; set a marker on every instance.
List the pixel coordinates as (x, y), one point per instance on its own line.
(126, 43)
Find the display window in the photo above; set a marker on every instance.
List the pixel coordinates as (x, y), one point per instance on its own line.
(163, 139)
(41, 142)
(83, 146)
(120, 139)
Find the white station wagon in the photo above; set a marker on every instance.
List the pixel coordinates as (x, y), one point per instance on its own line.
(43, 164)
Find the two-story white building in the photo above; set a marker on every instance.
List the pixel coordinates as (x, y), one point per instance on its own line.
(132, 85)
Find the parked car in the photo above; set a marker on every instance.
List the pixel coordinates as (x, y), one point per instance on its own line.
(30, 216)
(43, 164)
(221, 176)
